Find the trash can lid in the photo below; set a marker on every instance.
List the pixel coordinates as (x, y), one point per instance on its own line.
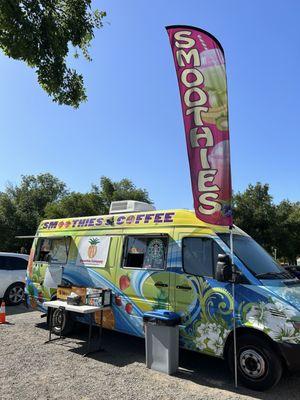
(162, 315)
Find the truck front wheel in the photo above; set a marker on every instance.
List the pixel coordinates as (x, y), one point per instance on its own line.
(259, 367)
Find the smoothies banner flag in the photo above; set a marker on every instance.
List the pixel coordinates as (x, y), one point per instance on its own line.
(200, 66)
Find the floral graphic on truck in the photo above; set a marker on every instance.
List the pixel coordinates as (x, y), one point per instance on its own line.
(211, 337)
(208, 321)
(275, 319)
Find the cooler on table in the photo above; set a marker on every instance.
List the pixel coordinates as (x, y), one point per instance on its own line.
(162, 340)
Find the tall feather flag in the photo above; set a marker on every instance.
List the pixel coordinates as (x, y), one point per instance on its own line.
(200, 67)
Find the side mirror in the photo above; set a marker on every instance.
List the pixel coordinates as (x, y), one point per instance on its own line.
(224, 268)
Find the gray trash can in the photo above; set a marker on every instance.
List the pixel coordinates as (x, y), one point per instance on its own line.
(162, 340)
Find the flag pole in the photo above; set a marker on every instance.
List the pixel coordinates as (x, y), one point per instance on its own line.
(210, 77)
(233, 308)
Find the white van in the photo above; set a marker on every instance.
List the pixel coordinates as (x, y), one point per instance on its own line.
(12, 277)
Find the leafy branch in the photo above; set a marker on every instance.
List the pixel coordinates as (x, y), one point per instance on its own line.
(41, 32)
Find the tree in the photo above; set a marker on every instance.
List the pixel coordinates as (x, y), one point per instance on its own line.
(41, 33)
(288, 230)
(76, 205)
(22, 207)
(255, 213)
(122, 190)
(273, 226)
(97, 201)
(8, 222)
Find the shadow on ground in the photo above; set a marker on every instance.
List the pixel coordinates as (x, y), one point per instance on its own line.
(121, 350)
(14, 310)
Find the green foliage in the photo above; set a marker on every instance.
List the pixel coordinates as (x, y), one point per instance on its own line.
(288, 230)
(41, 33)
(23, 206)
(255, 213)
(273, 226)
(75, 205)
(97, 201)
(122, 190)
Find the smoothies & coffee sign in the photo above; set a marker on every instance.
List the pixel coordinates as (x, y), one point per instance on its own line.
(108, 221)
(200, 67)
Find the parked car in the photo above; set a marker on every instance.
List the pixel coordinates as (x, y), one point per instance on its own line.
(12, 277)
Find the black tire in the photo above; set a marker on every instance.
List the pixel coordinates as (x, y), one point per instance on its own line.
(67, 323)
(259, 367)
(14, 294)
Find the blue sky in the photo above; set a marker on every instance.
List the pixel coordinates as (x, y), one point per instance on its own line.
(132, 126)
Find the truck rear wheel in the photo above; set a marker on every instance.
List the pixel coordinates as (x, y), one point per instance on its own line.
(259, 367)
(62, 323)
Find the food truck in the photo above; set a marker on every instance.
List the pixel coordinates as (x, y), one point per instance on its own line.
(168, 260)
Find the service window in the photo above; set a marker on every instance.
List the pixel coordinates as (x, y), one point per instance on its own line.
(200, 255)
(53, 250)
(145, 252)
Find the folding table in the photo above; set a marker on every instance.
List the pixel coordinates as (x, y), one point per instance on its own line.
(84, 309)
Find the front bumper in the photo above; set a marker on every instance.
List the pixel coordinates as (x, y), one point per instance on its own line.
(291, 354)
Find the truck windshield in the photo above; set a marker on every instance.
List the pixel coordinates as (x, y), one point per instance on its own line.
(255, 258)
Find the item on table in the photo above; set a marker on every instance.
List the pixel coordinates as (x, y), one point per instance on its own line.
(64, 291)
(74, 299)
(99, 297)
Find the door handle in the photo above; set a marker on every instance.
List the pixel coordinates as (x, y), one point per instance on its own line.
(183, 287)
(160, 284)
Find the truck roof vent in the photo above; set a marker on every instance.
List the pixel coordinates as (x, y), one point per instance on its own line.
(129, 206)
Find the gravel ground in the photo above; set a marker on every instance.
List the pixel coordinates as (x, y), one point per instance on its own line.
(30, 369)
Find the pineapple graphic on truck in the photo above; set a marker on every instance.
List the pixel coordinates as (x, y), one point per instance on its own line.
(92, 249)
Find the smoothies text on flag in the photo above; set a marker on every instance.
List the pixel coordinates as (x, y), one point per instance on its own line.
(200, 66)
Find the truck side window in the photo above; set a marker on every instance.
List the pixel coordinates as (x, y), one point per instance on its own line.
(145, 252)
(54, 250)
(200, 255)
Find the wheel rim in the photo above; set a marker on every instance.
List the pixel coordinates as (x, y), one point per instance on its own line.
(252, 364)
(58, 320)
(16, 294)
